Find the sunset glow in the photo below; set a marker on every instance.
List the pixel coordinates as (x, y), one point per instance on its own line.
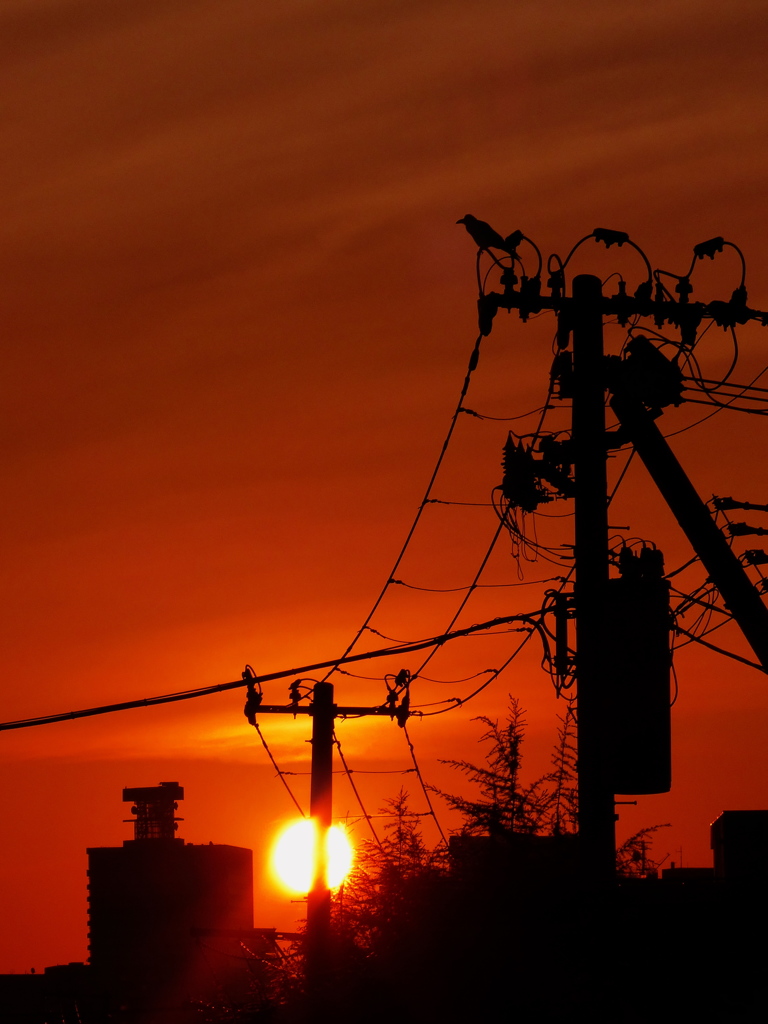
(238, 312)
(293, 856)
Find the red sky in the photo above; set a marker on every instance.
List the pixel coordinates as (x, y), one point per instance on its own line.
(237, 312)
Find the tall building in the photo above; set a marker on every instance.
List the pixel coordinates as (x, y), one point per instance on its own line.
(168, 919)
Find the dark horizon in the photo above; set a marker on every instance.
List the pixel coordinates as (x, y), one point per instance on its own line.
(238, 312)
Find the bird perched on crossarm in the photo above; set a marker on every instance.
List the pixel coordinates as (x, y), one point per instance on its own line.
(484, 236)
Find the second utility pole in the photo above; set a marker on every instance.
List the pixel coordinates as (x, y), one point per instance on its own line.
(321, 812)
(319, 958)
(596, 799)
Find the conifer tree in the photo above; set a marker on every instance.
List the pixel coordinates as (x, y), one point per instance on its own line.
(390, 882)
(505, 805)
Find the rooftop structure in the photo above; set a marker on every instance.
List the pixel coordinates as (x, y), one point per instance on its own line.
(154, 808)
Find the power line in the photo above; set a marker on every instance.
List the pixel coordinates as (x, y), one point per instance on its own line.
(728, 405)
(206, 691)
(719, 408)
(468, 594)
(692, 599)
(721, 650)
(506, 419)
(457, 702)
(731, 384)
(359, 799)
(476, 586)
(281, 775)
(473, 360)
(361, 771)
(424, 788)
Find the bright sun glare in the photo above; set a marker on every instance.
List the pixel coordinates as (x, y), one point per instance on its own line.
(294, 853)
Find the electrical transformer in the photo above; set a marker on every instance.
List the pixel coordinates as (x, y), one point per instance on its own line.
(638, 665)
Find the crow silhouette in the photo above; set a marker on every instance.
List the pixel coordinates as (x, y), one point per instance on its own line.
(482, 234)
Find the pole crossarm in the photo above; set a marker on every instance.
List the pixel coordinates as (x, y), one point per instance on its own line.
(686, 315)
(308, 709)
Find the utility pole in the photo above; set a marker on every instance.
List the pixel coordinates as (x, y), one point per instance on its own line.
(642, 382)
(324, 712)
(321, 812)
(596, 807)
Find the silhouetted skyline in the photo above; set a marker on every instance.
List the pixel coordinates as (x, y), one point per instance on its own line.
(237, 312)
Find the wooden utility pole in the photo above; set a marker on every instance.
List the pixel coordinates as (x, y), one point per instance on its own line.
(596, 806)
(323, 711)
(321, 812)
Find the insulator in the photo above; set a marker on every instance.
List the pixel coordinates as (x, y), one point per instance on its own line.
(647, 564)
(621, 301)
(683, 288)
(520, 483)
(651, 563)
(629, 564)
(403, 712)
(725, 504)
(722, 313)
(530, 296)
(745, 530)
(609, 237)
(708, 248)
(739, 296)
(556, 283)
(508, 279)
(755, 557)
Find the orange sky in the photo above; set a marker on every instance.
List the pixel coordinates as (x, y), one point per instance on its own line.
(237, 312)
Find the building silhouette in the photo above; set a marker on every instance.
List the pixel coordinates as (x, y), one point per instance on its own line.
(167, 919)
(171, 937)
(740, 845)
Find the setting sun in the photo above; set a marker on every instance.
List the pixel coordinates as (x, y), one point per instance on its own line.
(293, 856)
